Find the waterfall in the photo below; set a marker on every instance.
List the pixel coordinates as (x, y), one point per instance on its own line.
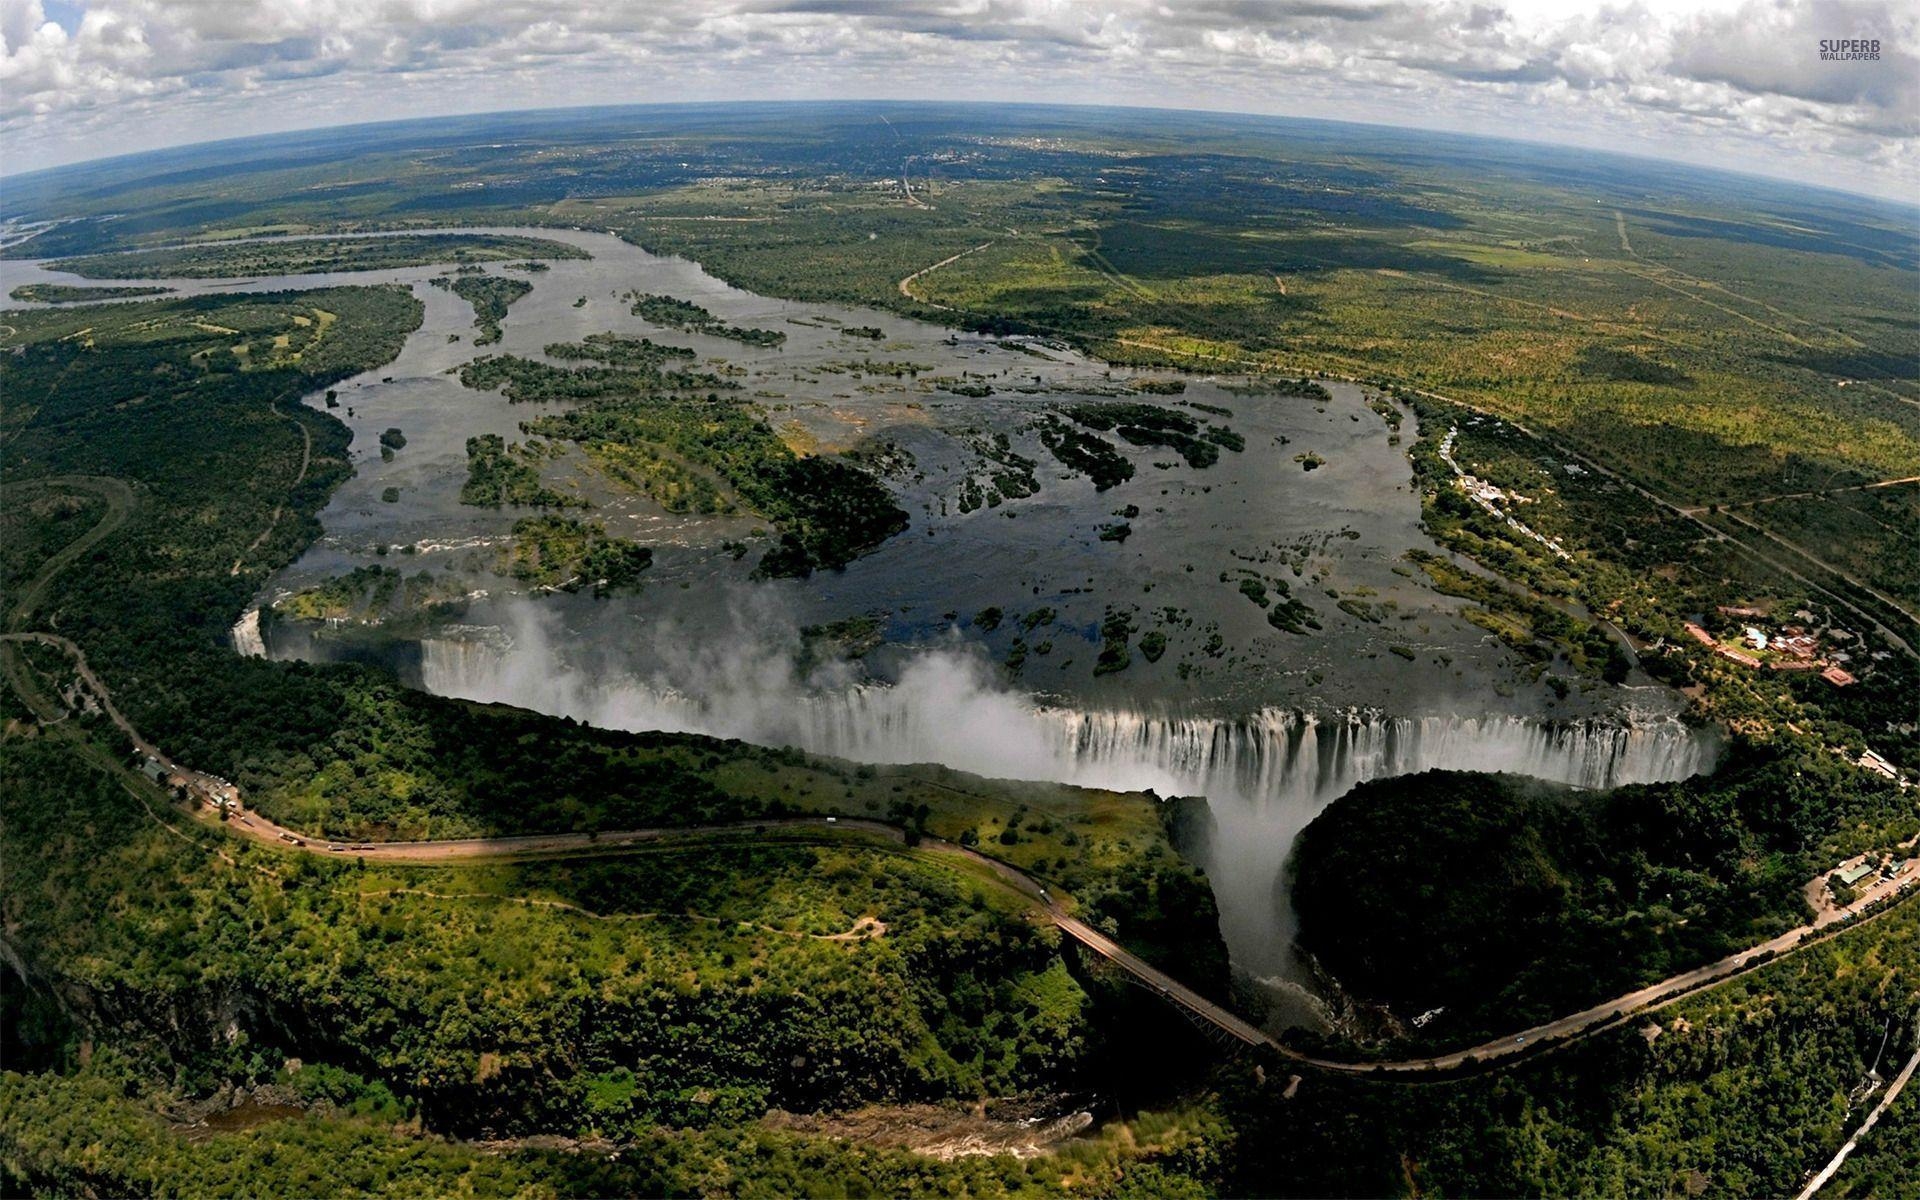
(247, 641)
(1264, 775)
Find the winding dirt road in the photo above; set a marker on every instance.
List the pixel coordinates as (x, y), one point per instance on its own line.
(906, 285)
(300, 477)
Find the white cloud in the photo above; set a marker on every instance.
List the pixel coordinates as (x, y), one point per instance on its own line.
(1729, 82)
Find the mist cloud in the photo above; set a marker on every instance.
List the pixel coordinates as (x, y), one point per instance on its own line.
(1265, 774)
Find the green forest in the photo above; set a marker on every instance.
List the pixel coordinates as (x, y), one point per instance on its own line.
(1506, 902)
(652, 429)
(313, 256)
(642, 992)
(1706, 400)
(491, 296)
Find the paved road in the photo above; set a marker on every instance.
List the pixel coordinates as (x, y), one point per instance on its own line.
(1826, 1173)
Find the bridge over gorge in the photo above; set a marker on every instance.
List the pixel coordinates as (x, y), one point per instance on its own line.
(211, 795)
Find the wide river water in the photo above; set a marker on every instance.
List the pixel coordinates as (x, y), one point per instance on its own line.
(1269, 725)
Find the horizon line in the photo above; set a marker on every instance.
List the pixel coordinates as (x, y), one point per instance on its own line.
(1879, 198)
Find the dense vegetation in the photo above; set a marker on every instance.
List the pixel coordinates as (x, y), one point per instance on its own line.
(85, 1133)
(500, 474)
(1507, 902)
(676, 987)
(1741, 1091)
(1687, 331)
(1087, 453)
(60, 293)
(313, 256)
(376, 596)
(691, 453)
(490, 295)
(685, 315)
(1648, 570)
(670, 988)
(617, 350)
(1882, 1165)
(1153, 425)
(563, 553)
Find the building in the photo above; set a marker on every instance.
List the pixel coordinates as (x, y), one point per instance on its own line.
(1836, 677)
(1796, 643)
(1852, 876)
(1879, 766)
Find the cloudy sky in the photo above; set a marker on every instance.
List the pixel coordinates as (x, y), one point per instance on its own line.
(1734, 83)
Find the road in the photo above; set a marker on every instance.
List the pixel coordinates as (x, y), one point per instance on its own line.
(1826, 1173)
(300, 477)
(235, 818)
(1675, 509)
(1693, 515)
(1669, 991)
(1801, 552)
(1820, 493)
(255, 826)
(906, 288)
(118, 498)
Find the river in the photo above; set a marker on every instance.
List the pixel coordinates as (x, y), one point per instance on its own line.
(1269, 725)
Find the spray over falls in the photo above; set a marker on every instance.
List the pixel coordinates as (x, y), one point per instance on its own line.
(1265, 775)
